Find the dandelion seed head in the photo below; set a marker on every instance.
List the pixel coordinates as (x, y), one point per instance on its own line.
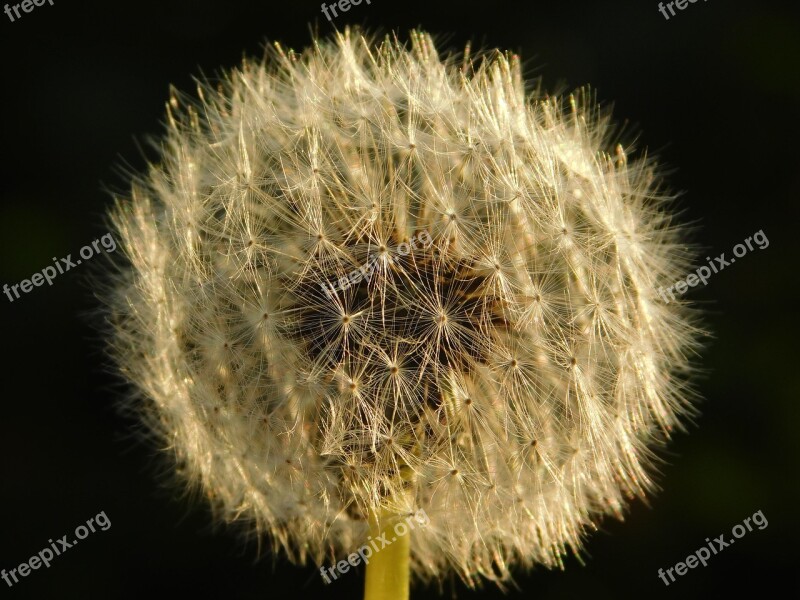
(512, 378)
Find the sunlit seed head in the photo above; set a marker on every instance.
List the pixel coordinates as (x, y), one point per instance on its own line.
(511, 378)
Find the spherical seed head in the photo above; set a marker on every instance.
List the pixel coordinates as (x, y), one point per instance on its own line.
(364, 277)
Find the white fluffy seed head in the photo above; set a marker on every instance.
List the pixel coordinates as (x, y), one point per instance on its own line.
(511, 377)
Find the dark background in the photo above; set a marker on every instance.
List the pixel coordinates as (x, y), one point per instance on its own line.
(715, 91)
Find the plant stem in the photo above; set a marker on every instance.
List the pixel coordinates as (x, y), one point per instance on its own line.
(388, 568)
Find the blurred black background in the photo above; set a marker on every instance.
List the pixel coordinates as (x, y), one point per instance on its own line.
(715, 91)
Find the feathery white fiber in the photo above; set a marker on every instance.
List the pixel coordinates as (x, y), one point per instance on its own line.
(512, 379)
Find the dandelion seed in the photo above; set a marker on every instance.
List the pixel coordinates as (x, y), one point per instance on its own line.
(511, 378)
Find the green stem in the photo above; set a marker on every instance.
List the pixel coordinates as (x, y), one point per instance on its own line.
(388, 568)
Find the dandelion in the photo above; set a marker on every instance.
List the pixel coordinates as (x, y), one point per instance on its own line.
(511, 379)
